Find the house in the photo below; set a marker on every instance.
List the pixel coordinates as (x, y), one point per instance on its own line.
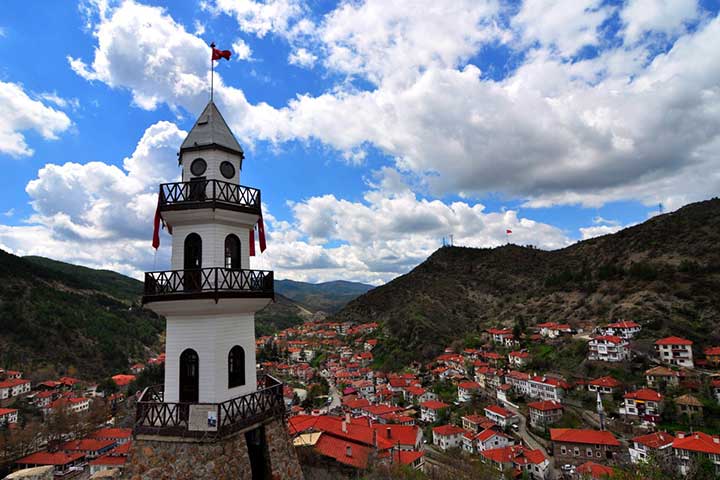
(122, 380)
(448, 436)
(485, 440)
(689, 405)
(715, 385)
(10, 374)
(595, 471)
(608, 348)
(661, 377)
(656, 445)
(500, 335)
(71, 404)
(8, 416)
(575, 446)
(675, 351)
(547, 388)
(552, 329)
(519, 459)
(689, 447)
(42, 399)
(712, 355)
(346, 453)
(544, 413)
(518, 359)
(477, 423)
(89, 447)
(413, 459)
(13, 387)
(466, 391)
(605, 385)
(431, 410)
(503, 417)
(418, 395)
(626, 330)
(644, 403)
(520, 381)
(121, 436)
(403, 437)
(63, 463)
(137, 369)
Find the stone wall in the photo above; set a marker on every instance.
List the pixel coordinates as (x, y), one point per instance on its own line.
(223, 459)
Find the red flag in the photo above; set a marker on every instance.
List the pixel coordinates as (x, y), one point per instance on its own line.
(508, 232)
(156, 227)
(252, 241)
(218, 54)
(261, 234)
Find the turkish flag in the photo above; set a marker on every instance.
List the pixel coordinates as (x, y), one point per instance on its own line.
(261, 234)
(508, 232)
(252, 241)
(218, 54)
(156, 227)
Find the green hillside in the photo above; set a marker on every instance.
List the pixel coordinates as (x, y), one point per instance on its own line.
(328, 297)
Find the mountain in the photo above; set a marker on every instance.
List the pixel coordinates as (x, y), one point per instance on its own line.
(663, 273)
(327, 297)
(71, 319)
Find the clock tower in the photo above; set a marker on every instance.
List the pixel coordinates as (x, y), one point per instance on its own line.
(212, 393)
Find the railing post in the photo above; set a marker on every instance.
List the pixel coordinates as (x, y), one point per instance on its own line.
(214, 183)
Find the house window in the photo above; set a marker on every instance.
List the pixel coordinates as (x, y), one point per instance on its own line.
(236, 367)
(563, 450)
(576, 452)
(589, 452)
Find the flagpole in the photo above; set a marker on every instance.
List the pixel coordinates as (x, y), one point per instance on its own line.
(212, 71)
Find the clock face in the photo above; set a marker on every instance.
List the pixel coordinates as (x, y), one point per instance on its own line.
(198, 167)
(227, 169)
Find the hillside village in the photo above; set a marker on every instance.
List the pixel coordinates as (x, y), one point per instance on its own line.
(486, 404)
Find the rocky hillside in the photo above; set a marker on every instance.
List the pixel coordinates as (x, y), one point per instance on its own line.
(664, 273)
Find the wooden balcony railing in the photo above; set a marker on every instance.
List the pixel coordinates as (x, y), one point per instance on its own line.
(155, 417)
(209, 194)
(208, 282)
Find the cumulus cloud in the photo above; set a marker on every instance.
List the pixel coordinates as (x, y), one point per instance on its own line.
(241, 50)
(20, 113)
(98, 214)
(302, 58)
(261, 17)
(667, 17)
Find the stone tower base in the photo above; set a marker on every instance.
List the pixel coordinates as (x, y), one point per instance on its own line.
(229, 458)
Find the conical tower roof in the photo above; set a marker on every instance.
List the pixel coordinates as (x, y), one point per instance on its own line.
(211, 131)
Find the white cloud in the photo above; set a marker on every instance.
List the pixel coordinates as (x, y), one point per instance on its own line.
(565, 25)
(302, 58)
(241, 50)
(9, 213)
(623, 125)
(658, 16)
(261, 17)
(59, 101)
(20, 113)
(599, 230)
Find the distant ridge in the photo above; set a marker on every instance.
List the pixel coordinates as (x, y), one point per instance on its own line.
(663, 273)
(327, 297)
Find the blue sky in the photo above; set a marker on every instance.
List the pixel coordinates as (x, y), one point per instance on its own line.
(372, 128)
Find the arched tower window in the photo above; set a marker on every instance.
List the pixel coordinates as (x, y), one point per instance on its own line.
(236, 367)
(189, 376)
(192, 262)
(232, 251)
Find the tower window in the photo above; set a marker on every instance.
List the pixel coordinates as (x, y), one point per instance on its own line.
(227, 169)
(232, 251)
(198, 167)
(236, 367)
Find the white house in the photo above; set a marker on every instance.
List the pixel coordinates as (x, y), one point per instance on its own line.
(430, 410)
(466, 390)
(8, 415)
(641, 403)
(675, 351)
(519, 458)
(12, 387)
(448, 436)
(553, 329)
(544, 412)
(606, 385)
(657, 445)
(485, 440)
(500, 335)
(518, 359)
(547, 388)
(687, 448)
(626, 330)
(501, 416)
(520, 381)
(608, 348)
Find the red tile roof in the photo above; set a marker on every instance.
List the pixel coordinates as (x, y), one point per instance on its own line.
(406, 457)
(623, 325)
(445, 430)
(645, 394)
(498, 410)
(610, 339)
(123, 380)
(13, 382)
(573, 435)
(607, 381)
(673, 341)
(5, 411)
(515, 454)
(469, 385)
(595, 470)
(698, 442)
(46, 458)
(336, 448)
(434, 405)
(655, 440)
(546, 405)
(86, 445)
(712, 351)
(416, 391)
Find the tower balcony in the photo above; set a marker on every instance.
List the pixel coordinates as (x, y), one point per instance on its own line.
(208, 283)
(209, 194)
(155, 418)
